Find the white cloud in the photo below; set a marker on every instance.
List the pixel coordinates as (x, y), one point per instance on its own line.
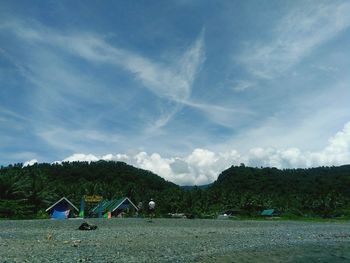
(337, 152)
(203, 166)
(81, 157)
(200, 167)
(338, 149)
(30, 163)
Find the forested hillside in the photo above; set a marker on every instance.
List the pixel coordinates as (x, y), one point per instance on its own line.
(324, 191)
(25, 192)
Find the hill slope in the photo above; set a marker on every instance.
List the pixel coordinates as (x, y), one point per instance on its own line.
(322, 191)
(29, 190)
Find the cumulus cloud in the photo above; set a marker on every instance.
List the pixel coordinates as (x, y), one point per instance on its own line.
(338, 149)
(202, 166)
(336, 152)
(81, 157)
(30, 162)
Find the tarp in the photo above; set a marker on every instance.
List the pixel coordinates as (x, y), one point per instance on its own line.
(60, 214)
(60, 211)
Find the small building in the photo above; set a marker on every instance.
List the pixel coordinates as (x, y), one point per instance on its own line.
(270, 213)
(233, 212)
(62, 209)
(116, 207)
(223, 216)
(177, 215)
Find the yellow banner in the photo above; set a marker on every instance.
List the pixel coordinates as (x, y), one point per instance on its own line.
(93, 198)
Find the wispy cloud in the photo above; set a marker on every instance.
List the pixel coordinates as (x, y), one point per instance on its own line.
(9, 115)
(242, 85)
(70, 140)
(172, 83)
(294, 37)
(221, 115)
(167, 81)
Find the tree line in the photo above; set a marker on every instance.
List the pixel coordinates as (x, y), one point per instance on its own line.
(25, 192)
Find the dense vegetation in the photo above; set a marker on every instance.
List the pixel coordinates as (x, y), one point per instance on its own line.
(27, 192)
(324, 191)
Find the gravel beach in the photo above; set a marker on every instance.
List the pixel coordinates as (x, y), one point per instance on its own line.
(174, 240)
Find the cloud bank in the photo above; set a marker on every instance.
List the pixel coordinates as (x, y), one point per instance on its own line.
(202, 166)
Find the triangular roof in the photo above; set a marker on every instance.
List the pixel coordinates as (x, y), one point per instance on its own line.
(112, 205)
(104, 204)
(63, 198)
(119, 202)
(268, 212)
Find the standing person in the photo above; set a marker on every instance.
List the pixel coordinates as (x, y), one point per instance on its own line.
(139, 209)
(151, 208)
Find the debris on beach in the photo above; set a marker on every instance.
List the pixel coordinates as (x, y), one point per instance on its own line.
(87, 226)
(75, 243)
(49, 236)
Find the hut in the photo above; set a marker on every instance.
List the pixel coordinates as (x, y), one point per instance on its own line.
(116, 207)
(270, 213)
(62, 209)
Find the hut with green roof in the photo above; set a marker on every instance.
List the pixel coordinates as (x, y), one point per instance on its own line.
(270, 213)
(116, 207)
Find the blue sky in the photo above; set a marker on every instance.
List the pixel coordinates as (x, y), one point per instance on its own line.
(182, 88)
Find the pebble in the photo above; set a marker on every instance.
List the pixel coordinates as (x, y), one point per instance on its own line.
(165, 240)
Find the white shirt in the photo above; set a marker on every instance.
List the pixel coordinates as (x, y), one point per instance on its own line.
(151, 204)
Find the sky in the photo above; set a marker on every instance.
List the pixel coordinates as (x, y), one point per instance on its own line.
(184, 89)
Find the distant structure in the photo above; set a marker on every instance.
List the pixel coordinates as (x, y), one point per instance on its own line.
(62, 209)
(270, 213)
(88, 202)
(115, 207)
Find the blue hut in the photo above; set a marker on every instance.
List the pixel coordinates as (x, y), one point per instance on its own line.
(62, 209)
